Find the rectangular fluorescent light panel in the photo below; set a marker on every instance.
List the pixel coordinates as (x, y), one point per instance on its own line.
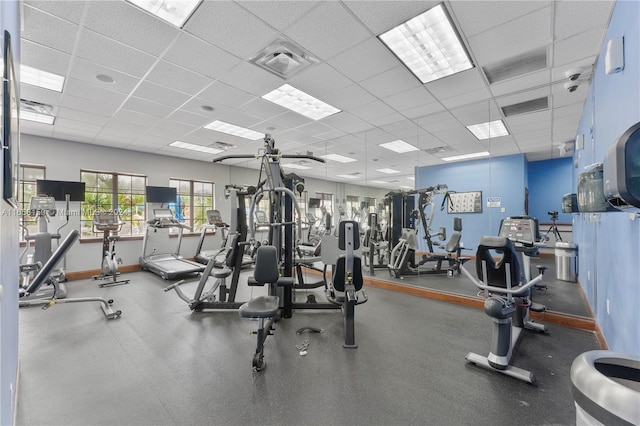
(44, 79)
(411, 177)
(296, 166)
(467, 156)
(298, 101)
(406, 187)
(428, 45)
(232, 129)
(38, 118)
(338, 158)
(194, 147)
(491, 129)
(379, 181)
(399, 146)
(175, 12)
(388, 171)
(348, 176)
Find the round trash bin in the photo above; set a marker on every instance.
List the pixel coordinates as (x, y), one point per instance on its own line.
(566, 254)
(606, 388)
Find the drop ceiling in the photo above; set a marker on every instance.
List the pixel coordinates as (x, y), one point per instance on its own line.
(170, 82)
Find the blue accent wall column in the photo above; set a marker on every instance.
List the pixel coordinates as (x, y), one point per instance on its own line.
(609, 243)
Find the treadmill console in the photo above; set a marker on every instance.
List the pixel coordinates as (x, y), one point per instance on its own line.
(162, 214)
(522, 231)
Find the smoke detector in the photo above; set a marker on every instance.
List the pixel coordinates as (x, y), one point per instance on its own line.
(283, 58)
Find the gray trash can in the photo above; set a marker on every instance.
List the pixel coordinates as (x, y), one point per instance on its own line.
(566, 254)
(606, 388)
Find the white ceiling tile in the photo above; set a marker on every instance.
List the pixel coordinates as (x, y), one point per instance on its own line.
(73, 135)
(409, 99)
(525, 82)
(67, 124)
(522, 96)
(252, 79)
(573, 17)
(195, 104)
(475, 16)
(328, 30)
(262, 109)
(147, 107)
(348, 97)
(573, 109)
(581, 46)
(423, 110)
(520, 35)
(44, 58)
(104, 51)
(471, 96)
(320, 79)
(37, 129)
(183, 116)
(198, 56)
(380, 16)
(314, 128)
(160, 94)
(128, 24)
(118, 134)
(457, 84)
(48, 30)
(391, 82)
(347, 122)
(88, 106)
(224, 94)
(87, 71)
(279, 14)
(80, 115)
(365, 60)
(134, 128)
(171, 129)
(230, 27)
(239, 118)
(178, 78)
(394, 117)
(96, 91)
(65, 9)
(288, 120)
(44, 96)
(371, 110)
(134, 117)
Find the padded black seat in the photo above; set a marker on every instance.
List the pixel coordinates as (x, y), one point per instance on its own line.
(221, 273)
(260, 307)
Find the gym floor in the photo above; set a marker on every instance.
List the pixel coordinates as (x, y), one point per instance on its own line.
(161, 364)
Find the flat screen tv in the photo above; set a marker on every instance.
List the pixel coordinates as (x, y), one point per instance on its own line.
(9, 126)
(59, 188)
(621, 170)
(314, 203)
(161, 194)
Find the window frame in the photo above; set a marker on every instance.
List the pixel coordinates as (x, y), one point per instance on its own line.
(194, 223)
(24, 218)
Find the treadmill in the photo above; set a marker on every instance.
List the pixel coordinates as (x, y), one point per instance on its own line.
(169, 266)
(215, 223)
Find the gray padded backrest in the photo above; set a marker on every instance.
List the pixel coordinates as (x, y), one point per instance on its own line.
(266, 269)
(453, 243)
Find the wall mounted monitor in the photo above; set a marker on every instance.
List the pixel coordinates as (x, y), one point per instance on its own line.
(314, 203)
(59, 188)
(621, 170)
(591, 191)
(161, 194)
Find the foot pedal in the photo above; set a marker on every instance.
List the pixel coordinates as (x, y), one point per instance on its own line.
(537, 307)
(311, 298)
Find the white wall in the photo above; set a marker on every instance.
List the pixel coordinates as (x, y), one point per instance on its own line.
(64, 160)
(9, 20)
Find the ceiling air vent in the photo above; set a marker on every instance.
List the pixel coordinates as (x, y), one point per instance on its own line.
(222, 145)
(283, 58)
(36, 107)
(516, 66)
(525, 107)
(438, 149)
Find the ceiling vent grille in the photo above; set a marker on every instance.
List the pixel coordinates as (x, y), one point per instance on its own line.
(36, 107)
(526, 107)
(438, 149)
(222, 145)
(283, 58)
(516, 66)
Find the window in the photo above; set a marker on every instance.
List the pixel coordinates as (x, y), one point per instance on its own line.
(114, 191)
(195, 198)
(326, 205)
(353, 206)
(29, 174)
(371, 202)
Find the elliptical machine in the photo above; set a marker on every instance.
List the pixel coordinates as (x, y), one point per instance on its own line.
(42, 208)
(108, 222)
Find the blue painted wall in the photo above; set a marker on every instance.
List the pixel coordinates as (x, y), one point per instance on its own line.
(549, 181)
(504, 177)
(609, 243)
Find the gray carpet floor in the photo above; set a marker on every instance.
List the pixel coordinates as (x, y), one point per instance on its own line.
(160, 364)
